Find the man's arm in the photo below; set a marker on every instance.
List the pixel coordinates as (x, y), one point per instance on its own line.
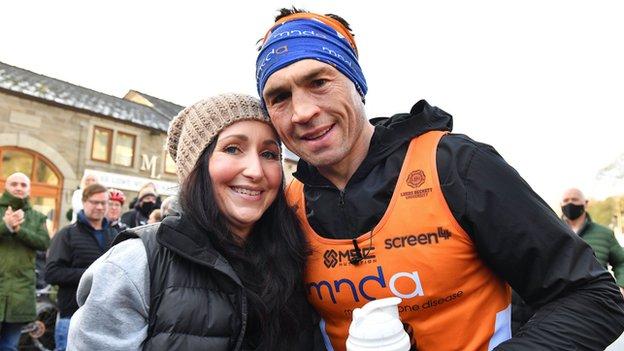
(4, 229)
(616, 260)
(58, 267)
(34, 236)
(578, 305)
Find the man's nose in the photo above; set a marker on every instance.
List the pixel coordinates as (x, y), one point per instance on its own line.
(304, 107)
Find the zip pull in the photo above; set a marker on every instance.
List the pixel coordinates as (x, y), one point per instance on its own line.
(341, 201)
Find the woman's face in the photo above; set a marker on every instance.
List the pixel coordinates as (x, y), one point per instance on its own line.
(246, 173)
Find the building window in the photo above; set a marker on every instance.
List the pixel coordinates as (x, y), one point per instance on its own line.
(124, 149)
(170, 167)
(46, 182)
(101, 146)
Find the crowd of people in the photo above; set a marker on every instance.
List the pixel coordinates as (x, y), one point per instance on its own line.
(72, 250)
(395, 206)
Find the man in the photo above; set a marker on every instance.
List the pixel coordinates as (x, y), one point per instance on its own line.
(22, 233)
(401, 207)
(601, 239)
(116, 199)
(145, 204)
(72, 251)
(169, 206)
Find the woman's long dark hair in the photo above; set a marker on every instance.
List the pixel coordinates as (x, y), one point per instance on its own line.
(269, 263)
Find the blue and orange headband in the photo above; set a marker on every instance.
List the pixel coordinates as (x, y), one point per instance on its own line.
(303, 36)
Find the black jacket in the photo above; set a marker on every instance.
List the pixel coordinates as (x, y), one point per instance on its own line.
(133, 218)
(74, 248)
(196, 298)
(514, 231)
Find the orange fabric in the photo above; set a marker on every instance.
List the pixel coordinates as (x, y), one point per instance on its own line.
(417, 252)
(327, 20)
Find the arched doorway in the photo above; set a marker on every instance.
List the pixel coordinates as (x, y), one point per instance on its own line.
(46, 182)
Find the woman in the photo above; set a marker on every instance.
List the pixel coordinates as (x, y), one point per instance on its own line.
(226, 274)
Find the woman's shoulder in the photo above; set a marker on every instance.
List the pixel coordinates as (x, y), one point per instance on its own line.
(128, 256)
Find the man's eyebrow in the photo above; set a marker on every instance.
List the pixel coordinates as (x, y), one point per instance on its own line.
(314, 73)
(272, 91)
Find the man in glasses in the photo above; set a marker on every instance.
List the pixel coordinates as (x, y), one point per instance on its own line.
(72, 251)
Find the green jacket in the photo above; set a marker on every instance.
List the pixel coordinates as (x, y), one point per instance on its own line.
(605, 246)
(17, 261)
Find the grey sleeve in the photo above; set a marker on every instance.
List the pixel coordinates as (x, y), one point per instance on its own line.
(113, 296)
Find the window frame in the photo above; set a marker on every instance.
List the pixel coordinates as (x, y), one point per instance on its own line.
(38, 189)
(134, 141)
(109, 144)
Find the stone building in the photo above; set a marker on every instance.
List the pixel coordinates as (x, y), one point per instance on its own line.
(56, 132)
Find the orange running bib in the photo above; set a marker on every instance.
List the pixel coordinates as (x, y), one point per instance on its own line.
(418, 252)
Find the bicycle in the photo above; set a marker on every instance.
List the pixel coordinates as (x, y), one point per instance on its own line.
(39, 334)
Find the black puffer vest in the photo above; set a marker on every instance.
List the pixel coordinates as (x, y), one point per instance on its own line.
(196, 298)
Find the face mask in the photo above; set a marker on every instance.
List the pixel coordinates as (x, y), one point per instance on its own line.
(16, 203)
(572, 211)
(146, 208)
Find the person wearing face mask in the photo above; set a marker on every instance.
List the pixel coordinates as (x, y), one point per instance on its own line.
(139, 215)
(601, 239)
(22, 233)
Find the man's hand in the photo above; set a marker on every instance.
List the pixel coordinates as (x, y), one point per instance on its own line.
(622, 290)
(13, 219)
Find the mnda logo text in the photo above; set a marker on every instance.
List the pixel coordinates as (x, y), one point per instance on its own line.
(353, 290)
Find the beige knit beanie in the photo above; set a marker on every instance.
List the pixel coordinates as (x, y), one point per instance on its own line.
(197, 125)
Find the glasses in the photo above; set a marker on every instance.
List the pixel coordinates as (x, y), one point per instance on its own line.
(114, 204)
(96, 203)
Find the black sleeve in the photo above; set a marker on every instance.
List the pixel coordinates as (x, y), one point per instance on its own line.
(59, 270)
(578, 305)
(128, 219)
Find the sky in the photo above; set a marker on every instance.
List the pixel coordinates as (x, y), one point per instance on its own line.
(541, 81)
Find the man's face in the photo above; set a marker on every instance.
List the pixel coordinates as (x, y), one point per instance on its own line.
(114, 210)
(317, 113)
(18, 185)
(573, 196)
(148, 198)
(96, 206)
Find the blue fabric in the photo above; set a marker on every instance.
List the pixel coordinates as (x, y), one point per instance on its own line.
(302, 39)
(9, 335)
(97, 233)
(60, 333)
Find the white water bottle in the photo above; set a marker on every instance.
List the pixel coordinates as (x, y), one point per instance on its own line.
(377, 326)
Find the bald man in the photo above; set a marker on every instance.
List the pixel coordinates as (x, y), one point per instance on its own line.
(22, 233)
(601, 239)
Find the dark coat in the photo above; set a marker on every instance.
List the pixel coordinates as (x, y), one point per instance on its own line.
(74, 248)
(196, 298)
(17, 261)
(606, 247)
(514, 231)
(133, 218)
